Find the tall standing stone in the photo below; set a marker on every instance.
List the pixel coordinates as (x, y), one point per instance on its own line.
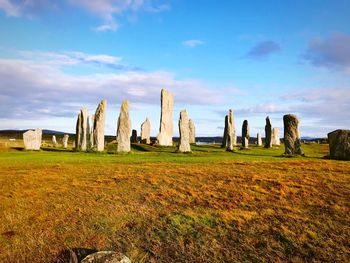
(165, 136)
(77, 133)
(99, 126)
(133, 138)
(258, 139)
(82, 131)
(192, 131)
(268, 133)
(146, 132)
(92, 139)
(292, 141)
(32, 139)
(245, 134)
(184, 130)
(124, 128)
(276, 137)
(65, 141)
(54, 141)
(339, 144)
(231, 134)
(224, 137)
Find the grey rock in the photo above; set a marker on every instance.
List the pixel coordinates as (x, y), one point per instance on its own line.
(268, 133)
(258, 139)
(292, 141)
(245, 134)
(133, 138)
(192, 132)
(54, 141)
(231, 131)
(146, 132)
(65, 141)
(339, 144)
(165, 136)
(91, 141)
(184, 130)
(224, 137)
(275, 137)
(32, 139)
(124, 128)
(106, 257)
(99, 126)
(82, 131)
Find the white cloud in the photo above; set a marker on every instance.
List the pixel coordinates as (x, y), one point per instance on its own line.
(112, 26)
(9, 8)
(32, 89)
(192, 43)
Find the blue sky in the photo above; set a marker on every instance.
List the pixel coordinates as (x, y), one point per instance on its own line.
(257, 57)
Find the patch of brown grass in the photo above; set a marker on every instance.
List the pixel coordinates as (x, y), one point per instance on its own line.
(165, 212)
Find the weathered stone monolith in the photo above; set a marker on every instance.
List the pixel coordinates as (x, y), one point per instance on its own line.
(224, 136)
(92, 139)
(124, 128)
(54, 141)
(192, 132)
(184, 131)
(245, 134)
(32, 139)
(339, 144)
(65, 141)
(146, 132)
(133, 138)
(231, 134)
(258, 139)
(292, 141)
(82, 131)
(99, 126)
(165, 136)
(275, 137)
(268, 133)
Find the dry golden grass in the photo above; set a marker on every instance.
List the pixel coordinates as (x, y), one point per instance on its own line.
(229, 210)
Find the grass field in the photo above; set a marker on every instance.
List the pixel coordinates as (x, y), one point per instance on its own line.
(156, 205)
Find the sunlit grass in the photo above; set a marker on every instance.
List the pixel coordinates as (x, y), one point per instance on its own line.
(156, 205)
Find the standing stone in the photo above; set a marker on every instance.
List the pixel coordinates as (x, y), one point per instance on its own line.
(192, 132)
(245, 134)
(258, 139)
(91, 141)
(82, 131)
(99, 126)
(292, 141)
(65, 141)
(339, 144)
(231, 133)
(54, 141)
(32, 139)
(268, 133)
(146, 132)
(224, 137)
(133, 138)
(124, 128)
(276, 137)
(165, 136)
(184, 130)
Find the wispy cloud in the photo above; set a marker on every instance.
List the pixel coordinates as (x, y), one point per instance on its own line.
(263, 50)
(332, 52)
(192, 43)
(107, 10)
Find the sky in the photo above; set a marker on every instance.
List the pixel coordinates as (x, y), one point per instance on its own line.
(259, 58)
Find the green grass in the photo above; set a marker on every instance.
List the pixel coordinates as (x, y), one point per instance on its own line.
(157, 205)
